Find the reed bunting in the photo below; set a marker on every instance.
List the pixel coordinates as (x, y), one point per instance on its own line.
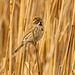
(34, 34)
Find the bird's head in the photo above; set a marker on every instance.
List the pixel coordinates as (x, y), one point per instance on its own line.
(38, 20)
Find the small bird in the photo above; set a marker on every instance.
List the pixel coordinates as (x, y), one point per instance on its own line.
(34, 34)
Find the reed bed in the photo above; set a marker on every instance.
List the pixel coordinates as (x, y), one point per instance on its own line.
(56, 50)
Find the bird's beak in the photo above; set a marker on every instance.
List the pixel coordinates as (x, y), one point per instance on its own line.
(39, 23)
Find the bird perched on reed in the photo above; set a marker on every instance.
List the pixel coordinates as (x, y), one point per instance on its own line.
(34, 34)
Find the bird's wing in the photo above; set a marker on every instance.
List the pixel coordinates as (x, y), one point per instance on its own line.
(32, 27)
(29, 31)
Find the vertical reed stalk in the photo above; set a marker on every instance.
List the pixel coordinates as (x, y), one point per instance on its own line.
(10, 49)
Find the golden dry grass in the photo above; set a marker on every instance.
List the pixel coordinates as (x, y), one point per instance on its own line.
(56, 50)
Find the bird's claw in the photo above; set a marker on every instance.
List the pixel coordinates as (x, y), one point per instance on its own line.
(35, 51)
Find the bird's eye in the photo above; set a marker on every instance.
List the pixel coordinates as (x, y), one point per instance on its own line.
(36, 21)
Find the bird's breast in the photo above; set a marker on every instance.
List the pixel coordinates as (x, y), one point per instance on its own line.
(39, 31)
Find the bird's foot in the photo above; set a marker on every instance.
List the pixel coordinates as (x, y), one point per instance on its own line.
(35, 51)
(34, 43)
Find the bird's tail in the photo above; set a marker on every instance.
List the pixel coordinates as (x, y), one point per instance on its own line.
(17, 48)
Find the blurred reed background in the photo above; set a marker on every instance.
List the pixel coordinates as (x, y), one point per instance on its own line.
(56, 53)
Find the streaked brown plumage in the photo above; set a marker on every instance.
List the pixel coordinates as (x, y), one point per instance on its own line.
(35, 33)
